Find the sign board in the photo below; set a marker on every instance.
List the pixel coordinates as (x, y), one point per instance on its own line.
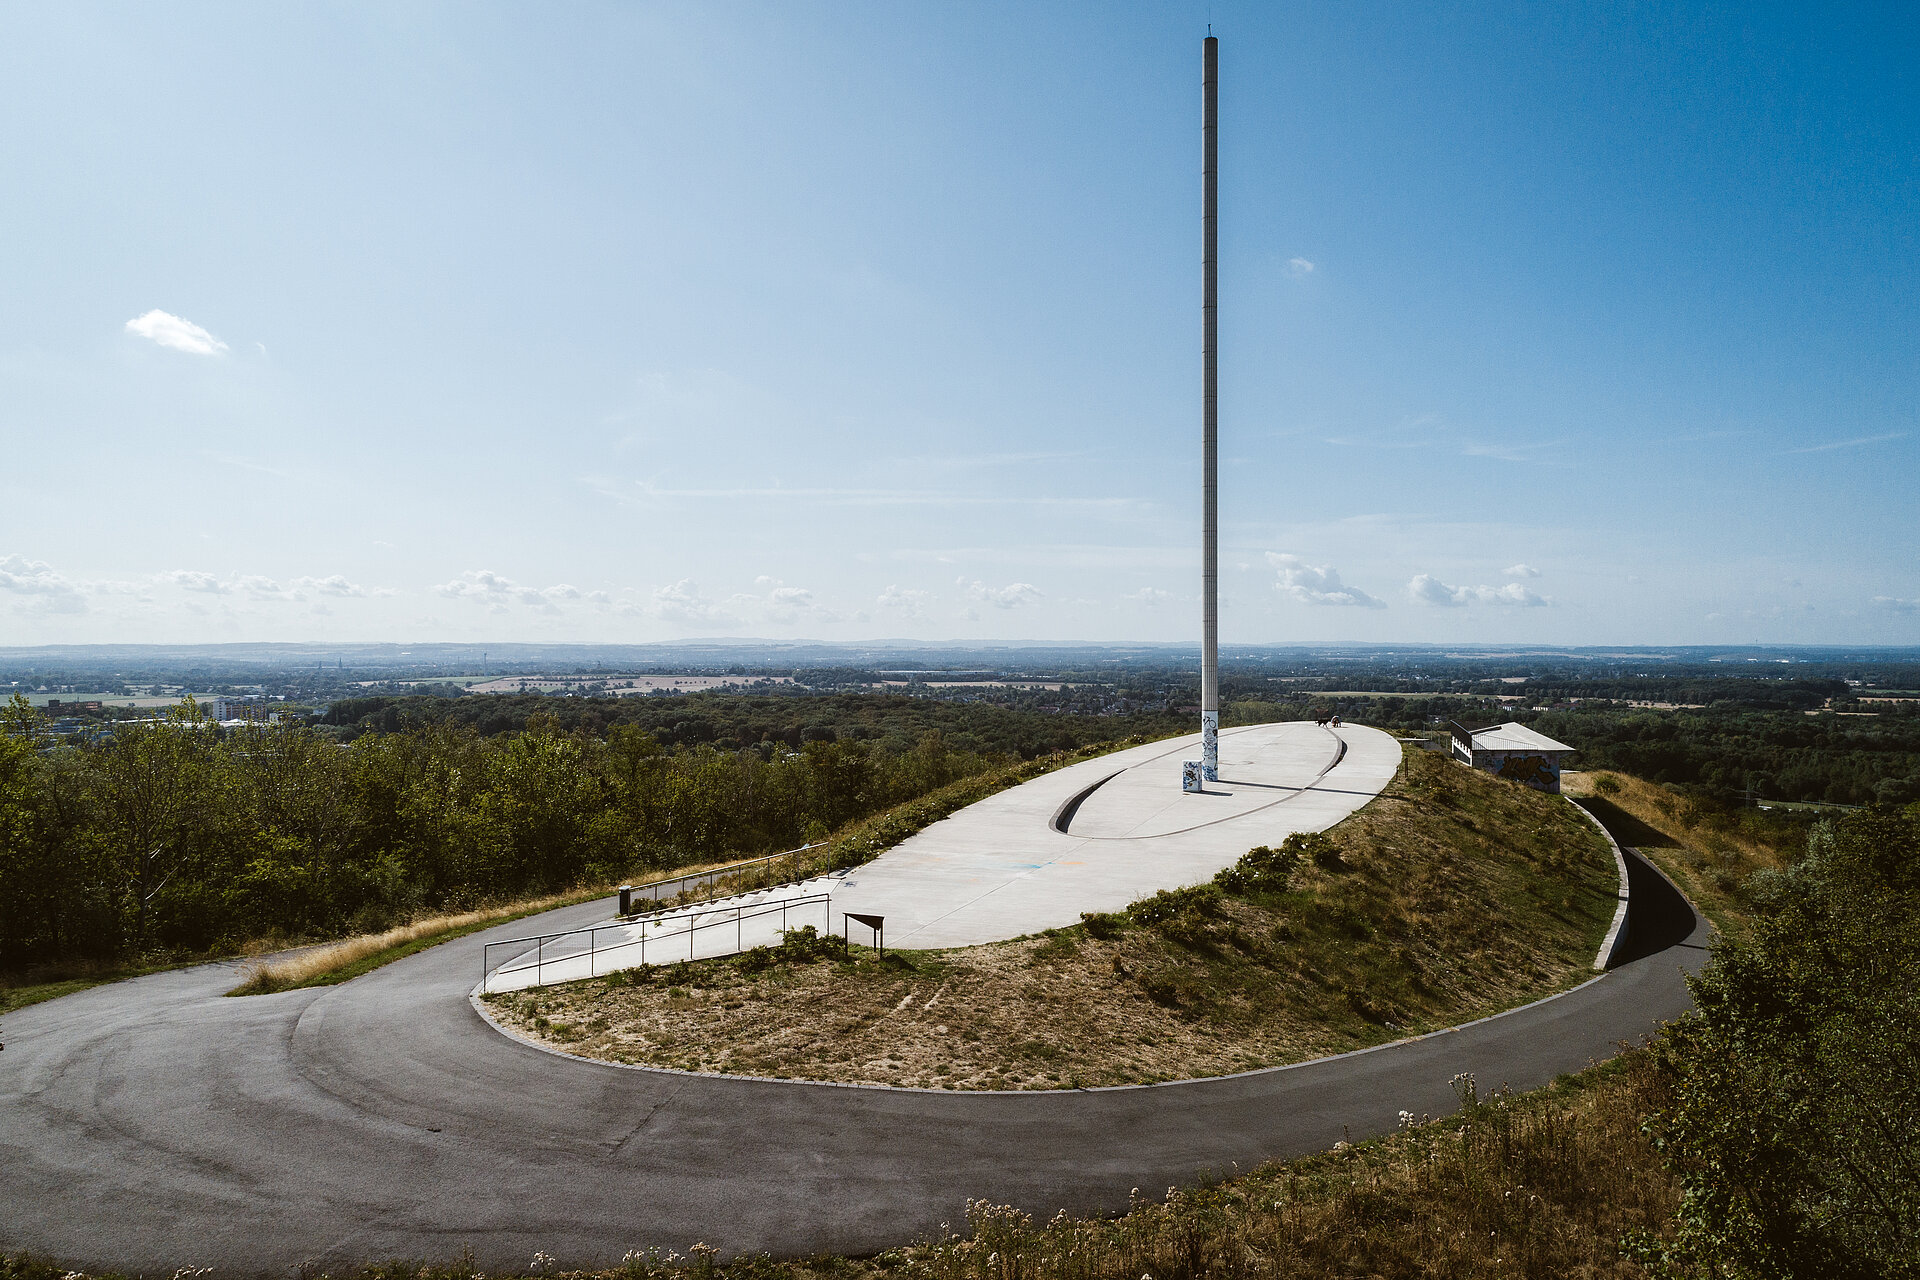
(872, 922)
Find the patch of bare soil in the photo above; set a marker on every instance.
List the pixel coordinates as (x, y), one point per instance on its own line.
(1452, 895)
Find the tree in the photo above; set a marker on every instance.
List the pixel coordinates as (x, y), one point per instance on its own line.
(150, 784)
(1796, 1121)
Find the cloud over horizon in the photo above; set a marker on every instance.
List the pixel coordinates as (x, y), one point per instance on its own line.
(1011, 596)
(37, 578)
(175, 333)
(1424, 588)
(1318, 584)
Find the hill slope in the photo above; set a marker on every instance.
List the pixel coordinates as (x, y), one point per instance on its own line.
(1452, 895)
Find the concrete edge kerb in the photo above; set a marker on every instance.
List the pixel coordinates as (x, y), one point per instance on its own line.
(1339, 754)
(1063, 816)
(1617, 932)
(479, 1007)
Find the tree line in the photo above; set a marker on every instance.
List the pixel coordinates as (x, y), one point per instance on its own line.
(1723, 753)
(891, 723)
(173, 838)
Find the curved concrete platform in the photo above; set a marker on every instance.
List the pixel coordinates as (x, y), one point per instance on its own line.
(1091, 837)
(1005, 867)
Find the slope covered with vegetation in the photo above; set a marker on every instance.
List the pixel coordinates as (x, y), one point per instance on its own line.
(1453, 894)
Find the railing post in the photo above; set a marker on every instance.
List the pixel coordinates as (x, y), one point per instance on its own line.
(540, 962)
(592, 934)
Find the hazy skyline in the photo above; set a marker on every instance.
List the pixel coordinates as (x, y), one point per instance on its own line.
(633, 323)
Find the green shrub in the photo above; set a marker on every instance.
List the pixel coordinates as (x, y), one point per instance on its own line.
(1199, 899)
(1797, 1076)
(1104, 924)
(1261, 869)
(806, 944)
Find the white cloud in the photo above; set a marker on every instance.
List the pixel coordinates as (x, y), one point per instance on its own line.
(475, 584)
(1299, 267)
(1522, 571)
(1896, 605)
(1011, 596)
(254, 585)
(1426, 589)
(54, 593)
(683, 603)
(783, 603)
(265, 588)
(498, 591)
(1318, 584)
(332, 585)
(905, 601)
(198, 580)
(1148, 596)
(180, 335)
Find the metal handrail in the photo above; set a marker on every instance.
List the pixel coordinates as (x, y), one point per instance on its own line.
(654, 889)
(741, 913)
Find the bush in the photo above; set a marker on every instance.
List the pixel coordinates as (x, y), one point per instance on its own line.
(1168, 904)
(807, 944)
(1317, 847)
(1797, 1095)
(1103, 924)
(1261, 869)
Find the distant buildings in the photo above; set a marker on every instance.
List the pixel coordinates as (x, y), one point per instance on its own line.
(1512, 751)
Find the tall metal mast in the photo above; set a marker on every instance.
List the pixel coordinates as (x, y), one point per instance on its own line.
(1210, 419)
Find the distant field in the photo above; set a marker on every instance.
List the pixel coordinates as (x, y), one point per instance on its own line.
(973, 684)
(620, 684)
(105, 699)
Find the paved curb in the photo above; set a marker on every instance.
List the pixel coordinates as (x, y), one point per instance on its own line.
(1616, 934)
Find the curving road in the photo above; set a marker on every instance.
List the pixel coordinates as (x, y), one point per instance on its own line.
(153, 1124)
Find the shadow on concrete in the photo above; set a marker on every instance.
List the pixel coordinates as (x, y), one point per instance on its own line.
(1658, 916)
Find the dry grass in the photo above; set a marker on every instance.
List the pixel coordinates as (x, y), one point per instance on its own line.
(303, 967)
(1708, 852)
(1551, 1184)
(1455, 894)
(350, 957)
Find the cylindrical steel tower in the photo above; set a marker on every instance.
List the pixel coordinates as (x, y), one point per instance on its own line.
(1210, 418)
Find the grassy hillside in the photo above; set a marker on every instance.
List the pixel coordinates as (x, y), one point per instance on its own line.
(1452, 895)
(1708, 851)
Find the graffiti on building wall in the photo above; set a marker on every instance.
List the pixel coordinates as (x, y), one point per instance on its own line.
(1533, 771)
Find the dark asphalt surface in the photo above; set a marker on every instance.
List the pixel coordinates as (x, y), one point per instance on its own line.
(154, 1124)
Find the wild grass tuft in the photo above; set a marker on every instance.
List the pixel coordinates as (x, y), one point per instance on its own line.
(350, 957)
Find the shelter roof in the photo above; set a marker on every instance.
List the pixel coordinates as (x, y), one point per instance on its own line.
(1513, 736)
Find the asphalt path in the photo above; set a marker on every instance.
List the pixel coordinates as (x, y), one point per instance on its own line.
(155, 1124)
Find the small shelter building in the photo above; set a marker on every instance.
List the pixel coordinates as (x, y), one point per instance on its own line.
(1512, 751)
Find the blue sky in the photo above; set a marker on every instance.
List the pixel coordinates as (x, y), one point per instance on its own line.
(1573, 324)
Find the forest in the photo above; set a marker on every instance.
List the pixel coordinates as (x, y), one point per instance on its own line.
(891, 723)
(175, 838)
(170, 839)
(1731, 752)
